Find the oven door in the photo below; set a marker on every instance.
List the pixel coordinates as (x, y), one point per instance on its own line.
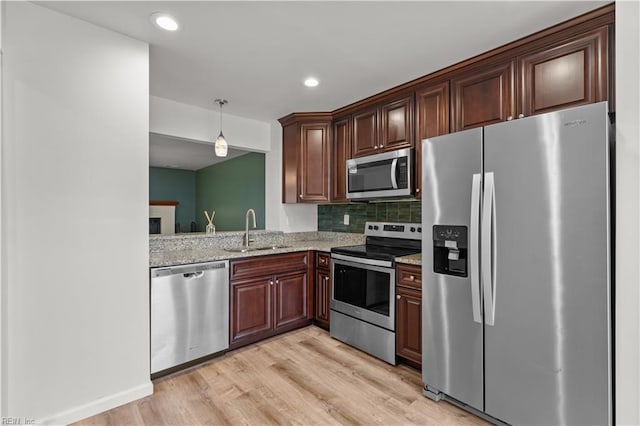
(364, 291)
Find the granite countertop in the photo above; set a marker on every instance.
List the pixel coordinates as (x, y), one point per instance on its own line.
(186, 256)
(412, 259)
(182, 249)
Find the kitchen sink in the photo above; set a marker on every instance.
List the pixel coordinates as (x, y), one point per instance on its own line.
(257, 248)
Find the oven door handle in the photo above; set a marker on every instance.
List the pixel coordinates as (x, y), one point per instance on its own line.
(394, 179)
(360, 262)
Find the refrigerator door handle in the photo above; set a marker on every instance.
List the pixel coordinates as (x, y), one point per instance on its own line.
(394, 180)
(488, 249)
(474, 248)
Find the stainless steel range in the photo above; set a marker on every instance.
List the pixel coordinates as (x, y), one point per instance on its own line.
(363, 287)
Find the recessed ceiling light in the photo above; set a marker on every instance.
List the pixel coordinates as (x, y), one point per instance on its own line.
(311, 82)
(164, 21)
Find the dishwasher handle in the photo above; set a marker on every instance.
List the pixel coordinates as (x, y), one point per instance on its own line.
(193, 274)
(189, 271)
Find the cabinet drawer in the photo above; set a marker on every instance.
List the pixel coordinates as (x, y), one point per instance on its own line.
(269, 265)
(409, 276)
(323, 260)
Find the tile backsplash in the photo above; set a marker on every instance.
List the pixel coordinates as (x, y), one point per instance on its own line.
(331, 216)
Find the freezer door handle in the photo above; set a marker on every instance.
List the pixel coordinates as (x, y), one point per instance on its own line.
(488, 248)
(474, 252)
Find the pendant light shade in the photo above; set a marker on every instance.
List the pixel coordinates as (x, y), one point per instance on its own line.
(221, 146)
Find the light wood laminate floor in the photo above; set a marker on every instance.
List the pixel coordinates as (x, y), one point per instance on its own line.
(302, 378)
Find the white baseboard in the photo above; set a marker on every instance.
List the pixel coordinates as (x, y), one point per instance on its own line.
(99, 405)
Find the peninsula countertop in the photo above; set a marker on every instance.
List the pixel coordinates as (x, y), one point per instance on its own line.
(182, 249)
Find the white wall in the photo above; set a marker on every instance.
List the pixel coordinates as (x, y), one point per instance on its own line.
(627, 213)
(74, 216)
(191, 122)
(283, 217)
(3, 307)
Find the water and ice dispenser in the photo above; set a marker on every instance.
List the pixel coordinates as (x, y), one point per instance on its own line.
(450, 250)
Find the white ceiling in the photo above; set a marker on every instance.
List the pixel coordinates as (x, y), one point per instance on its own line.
(256, 54)
(178, 153)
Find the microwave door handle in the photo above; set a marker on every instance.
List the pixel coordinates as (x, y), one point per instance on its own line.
(394, 180)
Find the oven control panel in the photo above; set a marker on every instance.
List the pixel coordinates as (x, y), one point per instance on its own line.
(410, 231)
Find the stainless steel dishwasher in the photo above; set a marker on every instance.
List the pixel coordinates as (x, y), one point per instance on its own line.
(189, 313)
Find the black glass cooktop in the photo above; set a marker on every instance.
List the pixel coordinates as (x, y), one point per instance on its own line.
(377, 252)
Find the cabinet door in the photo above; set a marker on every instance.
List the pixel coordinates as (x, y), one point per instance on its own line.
(409, 324)
(291, 299)
(432, 120)
(483, 96)
(251, 309)
(290, 155)
(571, 74)
(323, 295)
(341, 153)
(314, 162)
(396, 125)
(365, 133)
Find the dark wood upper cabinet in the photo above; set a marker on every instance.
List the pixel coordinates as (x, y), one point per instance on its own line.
(341, 150)
(290, 155)
(314, 162)
(569, 64)
(569, 74)
(365, 133)
(432, 119)
(306, 156)
(483, 95)
(396, 125)
(386, 127)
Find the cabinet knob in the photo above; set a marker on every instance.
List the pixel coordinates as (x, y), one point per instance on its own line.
(521, 116)
(380, 146)
(398, 297)
(271, 282)
(417, 190)
(277, 281)
(375, 147)
(300, 195)
(411, 278)
(509, 118)
(326, 279)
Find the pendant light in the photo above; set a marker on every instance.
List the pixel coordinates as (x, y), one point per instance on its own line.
(221, 142)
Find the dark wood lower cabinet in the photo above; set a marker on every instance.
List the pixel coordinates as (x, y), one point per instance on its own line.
(323, 295)
(251, 309)
(323, 289)
(269, 295)
(409, 324)
(409, 314)
(291, 299)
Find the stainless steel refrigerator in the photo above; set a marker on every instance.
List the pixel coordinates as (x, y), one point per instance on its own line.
(516, 266)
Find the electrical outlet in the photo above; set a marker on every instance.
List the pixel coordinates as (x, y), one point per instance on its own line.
(346, 219)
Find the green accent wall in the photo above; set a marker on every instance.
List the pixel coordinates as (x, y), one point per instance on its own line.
(231, 188)
(331, 216)
(175, 185)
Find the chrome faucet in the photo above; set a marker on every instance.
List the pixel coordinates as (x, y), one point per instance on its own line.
(245, 239)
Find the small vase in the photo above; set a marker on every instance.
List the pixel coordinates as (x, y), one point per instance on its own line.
(211, 229)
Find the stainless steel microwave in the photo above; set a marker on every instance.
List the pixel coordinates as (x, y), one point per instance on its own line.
(379, 176)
